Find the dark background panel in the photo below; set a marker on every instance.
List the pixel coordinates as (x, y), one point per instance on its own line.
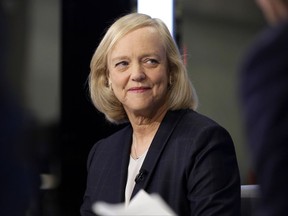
(83, 25)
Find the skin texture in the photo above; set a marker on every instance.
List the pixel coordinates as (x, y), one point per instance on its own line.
(138, 72)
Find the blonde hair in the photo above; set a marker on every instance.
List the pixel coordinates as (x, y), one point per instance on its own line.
(181, 94)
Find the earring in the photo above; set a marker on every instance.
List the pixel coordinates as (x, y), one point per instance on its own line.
(110, 85)
(170, 80)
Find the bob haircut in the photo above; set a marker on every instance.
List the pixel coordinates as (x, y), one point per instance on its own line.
(181, 93)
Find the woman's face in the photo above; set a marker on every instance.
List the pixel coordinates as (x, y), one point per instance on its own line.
(138, 71)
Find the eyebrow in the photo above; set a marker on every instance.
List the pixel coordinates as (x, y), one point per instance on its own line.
(119, 58)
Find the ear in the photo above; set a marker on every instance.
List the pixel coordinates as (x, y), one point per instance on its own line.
(109, 84)
(170, 80)
(108, 80)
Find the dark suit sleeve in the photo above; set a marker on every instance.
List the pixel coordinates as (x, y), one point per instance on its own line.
(213, 179)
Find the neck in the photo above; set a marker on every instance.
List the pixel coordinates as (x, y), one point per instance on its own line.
(144, 130)
(141, 120)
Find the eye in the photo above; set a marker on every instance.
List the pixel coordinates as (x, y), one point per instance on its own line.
(152, 62)
(121, 64)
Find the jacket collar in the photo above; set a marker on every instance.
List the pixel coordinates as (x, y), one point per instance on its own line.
(158, 144)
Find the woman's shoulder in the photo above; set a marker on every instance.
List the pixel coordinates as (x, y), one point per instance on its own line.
(122, 131)
(112, 143)
(192, 117)
(116, 136)
(192, 122)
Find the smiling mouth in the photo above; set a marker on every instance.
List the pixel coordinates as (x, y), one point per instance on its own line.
(139, 89)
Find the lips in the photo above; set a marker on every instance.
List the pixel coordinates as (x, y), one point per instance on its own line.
(139, 89)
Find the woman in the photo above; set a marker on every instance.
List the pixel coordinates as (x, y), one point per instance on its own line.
(137, 76)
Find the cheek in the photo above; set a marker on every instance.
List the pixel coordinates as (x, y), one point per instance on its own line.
(118, 80)
(161, 78)
(114, 77)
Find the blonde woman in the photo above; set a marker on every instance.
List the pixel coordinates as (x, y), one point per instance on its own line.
(137, 76)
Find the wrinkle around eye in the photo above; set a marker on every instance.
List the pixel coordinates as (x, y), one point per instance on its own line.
(151, 62)
(121, 65)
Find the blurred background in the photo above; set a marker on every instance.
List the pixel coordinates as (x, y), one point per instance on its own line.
(48, 123)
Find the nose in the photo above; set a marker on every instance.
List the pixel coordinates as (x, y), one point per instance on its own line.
(138, 73)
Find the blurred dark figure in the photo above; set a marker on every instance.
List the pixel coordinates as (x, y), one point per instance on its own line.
(264, 94)
(19, 180)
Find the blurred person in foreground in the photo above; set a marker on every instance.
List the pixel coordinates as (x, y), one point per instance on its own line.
(138, 77)
(19, 179)
(264, 95)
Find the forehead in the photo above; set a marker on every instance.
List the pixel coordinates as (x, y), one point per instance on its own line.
(146, 39)
(142, 32)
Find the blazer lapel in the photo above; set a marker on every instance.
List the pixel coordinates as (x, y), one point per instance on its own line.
(161, 138)
(123, 171)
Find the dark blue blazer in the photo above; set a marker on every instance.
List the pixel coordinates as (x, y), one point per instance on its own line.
(191, 163)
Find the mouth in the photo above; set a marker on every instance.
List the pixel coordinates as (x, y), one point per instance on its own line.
(139, 89)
